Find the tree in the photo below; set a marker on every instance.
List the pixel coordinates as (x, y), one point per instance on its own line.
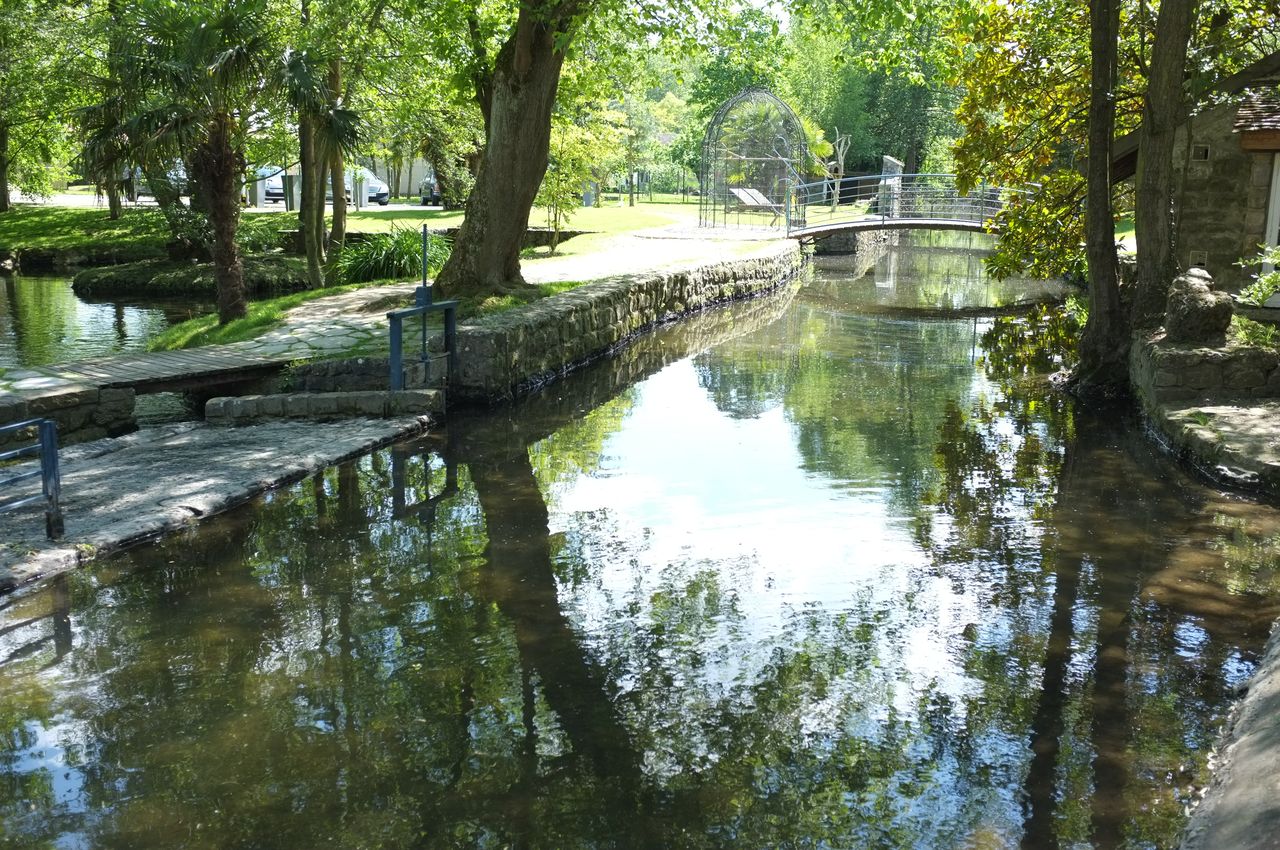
(37, 91)
(578, 147)
(516, 94)
(201, 70)
(1162, 113)
(1104, 346)
(1029, 118)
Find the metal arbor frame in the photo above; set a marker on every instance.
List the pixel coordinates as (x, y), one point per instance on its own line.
(753, 153)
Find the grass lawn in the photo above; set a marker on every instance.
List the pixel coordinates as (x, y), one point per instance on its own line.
(35, 226)
(609, 219)
(1124, 234)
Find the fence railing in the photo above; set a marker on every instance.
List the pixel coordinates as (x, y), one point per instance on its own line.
(888, 197)
(422, 308)
(46, 449)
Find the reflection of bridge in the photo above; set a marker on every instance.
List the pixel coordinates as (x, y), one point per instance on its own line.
(892, 201)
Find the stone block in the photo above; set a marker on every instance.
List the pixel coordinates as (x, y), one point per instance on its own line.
(324, 404)
(297, 406)
(1203, 377)
(1243, 378)
(1195, 312)
(42, 403)
(271, 406)
(216, 409)
(1171, 394)
(13, 408)
(1167, 379)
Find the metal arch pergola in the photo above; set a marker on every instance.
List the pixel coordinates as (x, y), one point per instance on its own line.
(752, 154)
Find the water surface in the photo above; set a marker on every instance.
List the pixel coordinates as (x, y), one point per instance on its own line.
(791, 574)
(43, 321)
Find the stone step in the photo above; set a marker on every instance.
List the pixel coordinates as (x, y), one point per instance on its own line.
(243, 410)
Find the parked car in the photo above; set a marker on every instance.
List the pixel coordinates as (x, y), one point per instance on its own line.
(272, 177)
(376, 191)
(429, 191)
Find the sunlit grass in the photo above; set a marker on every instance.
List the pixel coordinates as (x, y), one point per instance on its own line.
(262, 317)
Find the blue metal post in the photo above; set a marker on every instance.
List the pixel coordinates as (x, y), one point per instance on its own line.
(426, 245)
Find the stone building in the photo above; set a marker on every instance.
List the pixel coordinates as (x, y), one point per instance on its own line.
(1228, 195)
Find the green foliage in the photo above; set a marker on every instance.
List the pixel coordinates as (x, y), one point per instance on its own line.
(395, 255)
(1267, 283)
(262, 273)
(41, 62)
(260, 233)
(578, 149)
(1257, 334)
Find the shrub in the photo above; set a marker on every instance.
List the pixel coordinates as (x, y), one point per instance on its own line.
(258, 234)
(1264, 285)
(397, 254)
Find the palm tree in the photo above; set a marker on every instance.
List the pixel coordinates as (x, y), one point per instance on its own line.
(199, 71)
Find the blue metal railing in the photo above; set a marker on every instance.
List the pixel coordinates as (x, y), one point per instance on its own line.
(422, 307)
(46, 448)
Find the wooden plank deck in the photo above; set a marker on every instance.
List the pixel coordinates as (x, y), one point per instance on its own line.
(169, 370)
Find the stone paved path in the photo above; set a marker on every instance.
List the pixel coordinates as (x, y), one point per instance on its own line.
(117, 492)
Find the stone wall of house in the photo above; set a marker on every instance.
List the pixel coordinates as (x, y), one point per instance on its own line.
(90, 413)
(1164, 372)
(1222, 201)
(519, 350)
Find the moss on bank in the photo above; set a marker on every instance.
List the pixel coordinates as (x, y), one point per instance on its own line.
(264, 273)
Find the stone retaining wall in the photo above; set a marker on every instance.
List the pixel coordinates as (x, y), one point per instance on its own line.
(1166, 372)
(336, 376)
(244, 410)
(82, 414)
(519, 350)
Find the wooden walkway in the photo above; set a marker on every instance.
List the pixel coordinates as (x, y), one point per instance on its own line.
(170, 371)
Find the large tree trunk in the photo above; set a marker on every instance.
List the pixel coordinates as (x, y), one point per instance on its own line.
(1162, 112)
(486, 255)
(1104, 346)
(309, 202)
(337, 178)
(219, 165)
(338, 223)
(4, 167)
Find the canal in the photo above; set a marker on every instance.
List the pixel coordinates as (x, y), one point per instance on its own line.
(831, 568)
(42, 321)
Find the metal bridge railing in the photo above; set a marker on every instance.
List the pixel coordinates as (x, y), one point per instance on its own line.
(889, 197)
(46, 448)
(423, 306)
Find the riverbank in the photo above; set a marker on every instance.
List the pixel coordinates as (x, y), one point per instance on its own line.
(1216, 406)
(120, 492)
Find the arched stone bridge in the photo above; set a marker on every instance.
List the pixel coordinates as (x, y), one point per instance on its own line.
(890, 201)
